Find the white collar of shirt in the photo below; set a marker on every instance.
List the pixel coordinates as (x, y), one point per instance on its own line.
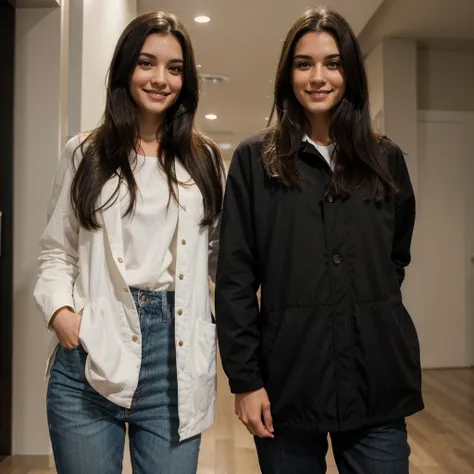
(325, 151)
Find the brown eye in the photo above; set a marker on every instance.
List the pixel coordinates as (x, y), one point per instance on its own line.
(176, 69)
(303, 65)
(145, 63)
(334, 65)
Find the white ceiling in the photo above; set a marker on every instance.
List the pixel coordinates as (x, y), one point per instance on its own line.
(243, 42)
(35, 3)
(436, 23)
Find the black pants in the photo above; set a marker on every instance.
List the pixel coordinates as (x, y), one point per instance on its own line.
(379, 450)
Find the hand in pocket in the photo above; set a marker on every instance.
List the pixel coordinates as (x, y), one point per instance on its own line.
(66, 324)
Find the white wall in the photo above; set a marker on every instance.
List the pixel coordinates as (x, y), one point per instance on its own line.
(437, 290)
(42, 104)
(392, 73)
(104, 20)
(401, 125)
(445, 216)
(445, 80)
(76, 22)
(374, 65)
(37, 143)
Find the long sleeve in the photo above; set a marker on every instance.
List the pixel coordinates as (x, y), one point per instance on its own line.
(237, 309)
(213, 254)
(58, 268)
(214, 233)
(405, 210)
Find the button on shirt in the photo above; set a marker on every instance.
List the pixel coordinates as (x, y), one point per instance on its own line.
(150, 263)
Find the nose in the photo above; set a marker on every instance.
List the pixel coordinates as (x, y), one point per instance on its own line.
(317, 75)
(159, 78)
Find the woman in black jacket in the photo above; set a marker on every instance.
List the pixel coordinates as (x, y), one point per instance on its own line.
(319, 213)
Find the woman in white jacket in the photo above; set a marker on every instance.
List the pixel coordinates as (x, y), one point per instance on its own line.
(123, 280)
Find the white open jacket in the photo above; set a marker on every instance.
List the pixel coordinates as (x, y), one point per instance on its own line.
(85, 270)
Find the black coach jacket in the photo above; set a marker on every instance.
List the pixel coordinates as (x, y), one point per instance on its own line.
(331, 341)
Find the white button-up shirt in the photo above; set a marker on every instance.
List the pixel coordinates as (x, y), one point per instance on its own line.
(86, 271)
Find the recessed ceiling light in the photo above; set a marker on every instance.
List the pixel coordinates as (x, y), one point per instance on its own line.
(202, 19)
(198, 65)
(211, 116)
(266, 118)
(225, 146)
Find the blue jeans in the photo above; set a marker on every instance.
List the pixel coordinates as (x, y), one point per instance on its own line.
(88, 431)
(378, 450)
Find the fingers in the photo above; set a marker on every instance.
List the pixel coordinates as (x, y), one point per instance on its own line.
(267, 418)
(66, 327)
(253, 409)
(257, 428)
(70, 344)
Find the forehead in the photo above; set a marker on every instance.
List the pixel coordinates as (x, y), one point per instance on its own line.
(316, 44)
(162, 45)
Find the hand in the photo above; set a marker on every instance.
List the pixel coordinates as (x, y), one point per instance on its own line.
(250, 407)
(66, 325)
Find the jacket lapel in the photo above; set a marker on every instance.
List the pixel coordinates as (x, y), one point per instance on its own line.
(111, 214)
(182, 191)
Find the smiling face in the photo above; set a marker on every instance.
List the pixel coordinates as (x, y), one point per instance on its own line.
(157, 80)
(316, 74)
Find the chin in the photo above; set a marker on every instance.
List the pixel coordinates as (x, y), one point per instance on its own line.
(157, 109)
(325, 109)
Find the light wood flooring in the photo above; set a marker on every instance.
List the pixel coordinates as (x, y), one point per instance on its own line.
(441, 437)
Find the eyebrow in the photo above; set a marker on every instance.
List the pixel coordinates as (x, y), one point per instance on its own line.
(152, 56)
(307, 57)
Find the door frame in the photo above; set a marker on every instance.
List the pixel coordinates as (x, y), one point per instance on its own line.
(7, 45)
(465, 118)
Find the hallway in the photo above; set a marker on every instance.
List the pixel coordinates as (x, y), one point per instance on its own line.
(441, 437)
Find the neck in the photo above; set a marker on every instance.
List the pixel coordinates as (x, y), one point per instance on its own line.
(149, 126)
(320, 129)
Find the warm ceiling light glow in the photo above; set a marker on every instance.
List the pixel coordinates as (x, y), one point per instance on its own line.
(211, 116)
(202, 19)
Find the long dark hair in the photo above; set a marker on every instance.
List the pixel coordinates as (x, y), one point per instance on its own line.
(107, 150)
(359, 159)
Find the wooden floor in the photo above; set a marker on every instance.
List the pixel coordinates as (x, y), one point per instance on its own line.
(441, 437)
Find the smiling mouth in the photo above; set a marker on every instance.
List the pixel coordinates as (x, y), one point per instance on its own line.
(318, 93)
(157, 94)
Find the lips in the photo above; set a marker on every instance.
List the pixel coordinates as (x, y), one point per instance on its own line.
(318, 96)
(157, 94)
(320, 93)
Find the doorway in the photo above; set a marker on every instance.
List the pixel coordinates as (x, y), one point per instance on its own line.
(7, 39)
(446, 221)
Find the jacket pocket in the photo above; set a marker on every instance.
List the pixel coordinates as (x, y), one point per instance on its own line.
(387, 365)
(72, 349)
(205, 365)
(269, 335)
(297, 372)
(206, 349)
(82, 313)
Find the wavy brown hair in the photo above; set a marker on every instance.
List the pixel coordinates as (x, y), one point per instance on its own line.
(107, 150)
(358, 156)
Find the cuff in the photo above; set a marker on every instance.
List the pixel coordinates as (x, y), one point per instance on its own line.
(250, 385)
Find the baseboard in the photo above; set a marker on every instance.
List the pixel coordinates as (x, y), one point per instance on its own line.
(435, 368)
(17, 461)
